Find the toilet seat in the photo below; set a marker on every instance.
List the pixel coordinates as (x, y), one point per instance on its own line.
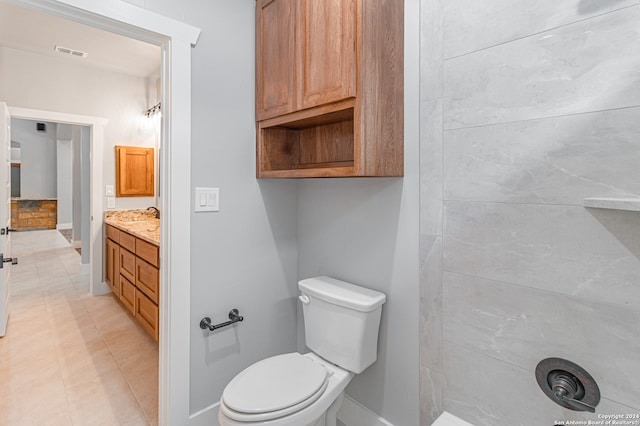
(274, 387)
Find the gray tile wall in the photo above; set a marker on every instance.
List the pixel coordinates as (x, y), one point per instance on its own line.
(527, 108)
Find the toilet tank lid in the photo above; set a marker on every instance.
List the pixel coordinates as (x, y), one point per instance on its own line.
(342, 293)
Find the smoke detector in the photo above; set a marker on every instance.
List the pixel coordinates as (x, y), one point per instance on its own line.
(71, 52)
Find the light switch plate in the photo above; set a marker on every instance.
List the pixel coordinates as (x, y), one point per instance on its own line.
(109, 190)
(111, 203)
(207, 200)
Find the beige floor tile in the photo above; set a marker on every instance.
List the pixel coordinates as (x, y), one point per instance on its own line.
(128, 347)
(104, 400)
(46, 403)
(37, 313)
(83, 362)
(140, 421)
(12, 413)
(83, 358)
(18, 377)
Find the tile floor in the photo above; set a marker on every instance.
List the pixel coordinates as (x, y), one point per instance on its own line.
(69, 358)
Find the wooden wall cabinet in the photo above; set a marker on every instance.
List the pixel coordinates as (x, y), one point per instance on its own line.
(133, 275)
(329, 88)
(134, 172)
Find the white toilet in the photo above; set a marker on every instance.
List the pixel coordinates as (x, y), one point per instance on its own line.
(341, 323)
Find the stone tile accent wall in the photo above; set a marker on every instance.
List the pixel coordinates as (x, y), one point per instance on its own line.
(527, 108)
(34, 215)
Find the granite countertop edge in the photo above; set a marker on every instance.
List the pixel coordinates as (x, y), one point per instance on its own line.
(130, 227)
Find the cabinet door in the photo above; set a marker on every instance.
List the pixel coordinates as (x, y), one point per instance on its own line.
(112, 266)
(128, 294)
(134, 172)
(327, 51)
(147, 314)
(127, 263)
(275, 57)
(147, 279)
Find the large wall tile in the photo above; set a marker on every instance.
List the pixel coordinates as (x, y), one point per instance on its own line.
(488, 392)
(431, 204)
(588, 66)
(431, 58)
(431, 374)
(558, 248)
(556, 160)
(473, 25)
(524, 326)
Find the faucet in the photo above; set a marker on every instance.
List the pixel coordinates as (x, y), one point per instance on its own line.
(156, 210)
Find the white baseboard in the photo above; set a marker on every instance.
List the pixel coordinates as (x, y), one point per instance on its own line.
(64, 226)
(352, 413)
(206, 417)
(76, 244)
(85, 268)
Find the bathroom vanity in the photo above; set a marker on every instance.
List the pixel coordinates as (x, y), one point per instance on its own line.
(132, 247)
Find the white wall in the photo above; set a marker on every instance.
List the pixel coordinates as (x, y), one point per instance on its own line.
(76, 230)
(38, 175)
(82, 133)
(366, 231)
(246, 255)
(64, 173)
(48, 83)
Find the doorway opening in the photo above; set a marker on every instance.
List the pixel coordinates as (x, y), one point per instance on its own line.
(176, 40)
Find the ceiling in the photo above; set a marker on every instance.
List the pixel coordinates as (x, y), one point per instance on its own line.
(33, 31)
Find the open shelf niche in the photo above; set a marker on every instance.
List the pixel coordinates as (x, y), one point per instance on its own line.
(298, 145)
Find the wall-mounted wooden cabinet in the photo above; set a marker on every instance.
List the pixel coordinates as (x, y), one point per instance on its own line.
(329, 88)
(134, 172)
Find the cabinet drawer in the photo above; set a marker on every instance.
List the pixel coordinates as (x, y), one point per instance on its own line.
(128, 294)
(127, 264)
(148, 252)
(147, 314)
(147, 279)
(113, 233)
(128, 241)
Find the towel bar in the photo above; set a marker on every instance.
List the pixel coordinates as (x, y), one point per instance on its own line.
(234, 317)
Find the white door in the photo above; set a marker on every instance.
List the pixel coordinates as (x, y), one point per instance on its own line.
(5, 213)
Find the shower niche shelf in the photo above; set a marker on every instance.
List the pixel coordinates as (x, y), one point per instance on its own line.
(629, 204)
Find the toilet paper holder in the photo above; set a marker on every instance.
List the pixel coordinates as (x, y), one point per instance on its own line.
(234, 317)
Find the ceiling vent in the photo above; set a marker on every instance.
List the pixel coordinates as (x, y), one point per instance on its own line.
(71, 52)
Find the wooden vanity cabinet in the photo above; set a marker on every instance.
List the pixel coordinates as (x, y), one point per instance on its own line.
(329, 99)
(147, 279)
(128, 294)
(147, 314)
(112, 275)
(133, 275)
(127, 264)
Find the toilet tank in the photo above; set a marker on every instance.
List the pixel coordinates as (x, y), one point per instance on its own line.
(341, 321)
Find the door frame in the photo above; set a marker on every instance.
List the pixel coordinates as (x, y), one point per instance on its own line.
(176, 40)
(96, 125)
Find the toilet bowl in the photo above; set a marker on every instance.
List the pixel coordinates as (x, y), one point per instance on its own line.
(284, 392)
(341, 328)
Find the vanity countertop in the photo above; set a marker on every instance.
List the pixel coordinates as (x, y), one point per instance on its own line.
(140, 223)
